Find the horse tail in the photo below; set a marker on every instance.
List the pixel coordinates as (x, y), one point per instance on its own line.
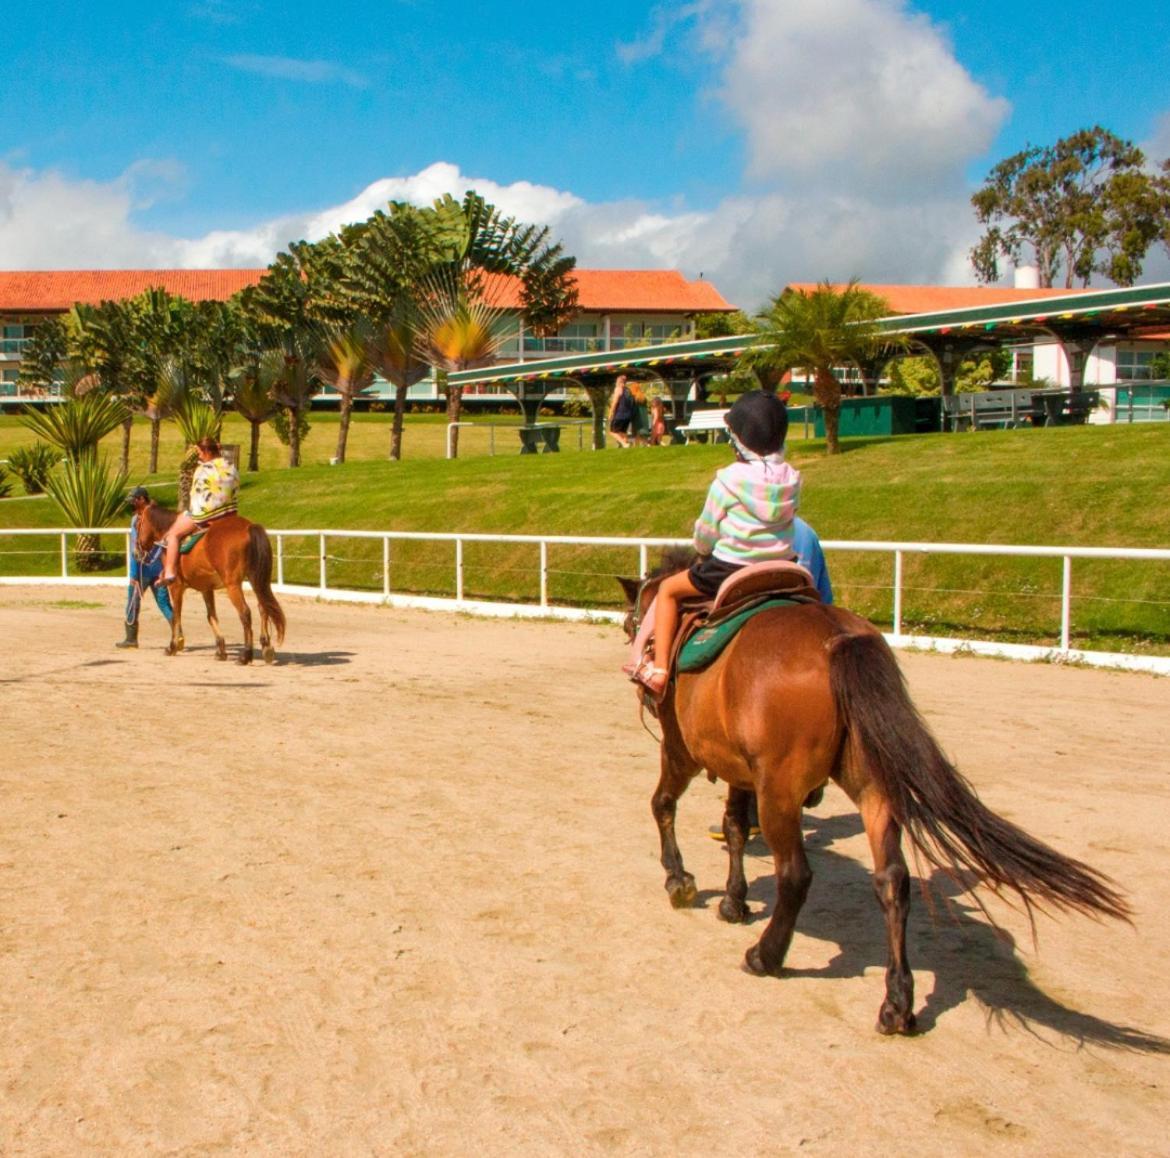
(935, 805)
(259, 560)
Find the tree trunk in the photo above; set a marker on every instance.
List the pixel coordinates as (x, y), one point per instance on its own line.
(599, 403)
(254, 449)
(828, 394)
(396, 425)
(343, 426)
(155, 425)
(127, 425)
(294, 436)
(454, 412)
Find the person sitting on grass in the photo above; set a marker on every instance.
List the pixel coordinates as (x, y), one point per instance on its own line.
(747, 518)
(215, 488)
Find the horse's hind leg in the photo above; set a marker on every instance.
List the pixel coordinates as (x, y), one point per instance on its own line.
(672, 783)
(891, 883)
(213, 623)
(733, 907)
(267, 651)
(780, 824)
(236, 594)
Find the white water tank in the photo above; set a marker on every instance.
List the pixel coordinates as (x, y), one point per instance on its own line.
(1027, 277)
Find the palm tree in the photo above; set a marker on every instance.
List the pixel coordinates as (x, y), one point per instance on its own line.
(88, 496)
(388, 258)
(103, 344)
(252, 398)
(820, 331)
(482, 254)
(291, 381)
(77, 426)
(344, 362)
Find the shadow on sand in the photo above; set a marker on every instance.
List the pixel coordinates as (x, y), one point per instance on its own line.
(966, 955)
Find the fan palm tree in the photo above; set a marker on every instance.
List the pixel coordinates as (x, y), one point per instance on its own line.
(252, 398)
(483, 254)
(820, 331)
(344, 362)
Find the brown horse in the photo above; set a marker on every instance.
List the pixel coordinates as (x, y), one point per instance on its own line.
(808, 693)
(231, 550)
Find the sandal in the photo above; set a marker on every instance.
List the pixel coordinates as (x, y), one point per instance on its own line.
(167, 580)
(653, 679)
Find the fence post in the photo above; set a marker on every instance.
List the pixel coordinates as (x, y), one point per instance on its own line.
(643, 561)
(459, 570)
(450, 427)
(323, 583)
(543, 573)
(385, 564)
(1066, 604)
(897, 594)
(280, 560)
(64, 556)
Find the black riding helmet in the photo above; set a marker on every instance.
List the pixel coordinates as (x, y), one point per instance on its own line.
(139, 493)
(759, 420)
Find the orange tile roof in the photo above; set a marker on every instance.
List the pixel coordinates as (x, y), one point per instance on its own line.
(599, 290)
(931, 299)
(59, 289)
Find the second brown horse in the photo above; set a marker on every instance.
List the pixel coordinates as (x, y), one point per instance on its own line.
(231, 550)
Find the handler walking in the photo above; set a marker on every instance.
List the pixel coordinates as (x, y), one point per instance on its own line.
(144, 572)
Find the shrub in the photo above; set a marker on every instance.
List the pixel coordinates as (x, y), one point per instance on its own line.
(31, 464)
(5, 484)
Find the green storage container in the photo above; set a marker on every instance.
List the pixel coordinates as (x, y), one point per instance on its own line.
(882, 414)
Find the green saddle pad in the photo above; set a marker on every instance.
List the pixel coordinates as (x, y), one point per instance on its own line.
(188, 544)
(707, 643)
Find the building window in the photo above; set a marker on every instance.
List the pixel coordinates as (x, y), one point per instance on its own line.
(1135, 365)
(12, 339)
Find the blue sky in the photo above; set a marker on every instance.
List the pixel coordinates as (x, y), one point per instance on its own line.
(753, 141)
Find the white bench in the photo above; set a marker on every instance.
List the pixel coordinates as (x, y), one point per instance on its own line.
(703, 423)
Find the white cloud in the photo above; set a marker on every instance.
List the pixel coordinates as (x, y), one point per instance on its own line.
(747, 246)
(856, 93)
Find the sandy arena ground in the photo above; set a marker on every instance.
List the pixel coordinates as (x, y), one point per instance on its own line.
(400, 894)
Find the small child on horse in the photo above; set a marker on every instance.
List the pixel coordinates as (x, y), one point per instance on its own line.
(747, 518)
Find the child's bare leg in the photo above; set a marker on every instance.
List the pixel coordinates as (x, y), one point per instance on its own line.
(666, 623)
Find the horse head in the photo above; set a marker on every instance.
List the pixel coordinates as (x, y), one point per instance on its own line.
(640, 592)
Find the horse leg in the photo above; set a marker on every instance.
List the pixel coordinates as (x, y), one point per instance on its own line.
(267, 651)
(213, 623)
(780, 824)
(672, 783)
(236, 594)
(891, 883)
(735, 832)
(177, 641)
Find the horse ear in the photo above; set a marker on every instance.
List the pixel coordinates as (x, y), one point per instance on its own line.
(631, 588)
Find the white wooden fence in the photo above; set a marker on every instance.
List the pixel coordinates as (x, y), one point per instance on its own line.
(544, 608)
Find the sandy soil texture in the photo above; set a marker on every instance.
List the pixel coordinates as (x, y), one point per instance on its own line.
(399, 894)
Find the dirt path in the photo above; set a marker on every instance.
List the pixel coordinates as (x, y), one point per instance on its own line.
(400, 894)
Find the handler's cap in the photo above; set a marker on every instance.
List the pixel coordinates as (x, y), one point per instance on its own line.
(760, 421)
(139, 493)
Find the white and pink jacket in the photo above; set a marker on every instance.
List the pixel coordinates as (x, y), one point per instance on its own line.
(748, 515)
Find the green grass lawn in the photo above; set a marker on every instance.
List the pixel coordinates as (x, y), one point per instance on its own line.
(1075, 486)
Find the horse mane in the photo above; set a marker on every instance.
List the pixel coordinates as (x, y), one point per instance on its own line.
(674, 559)
(160, 517)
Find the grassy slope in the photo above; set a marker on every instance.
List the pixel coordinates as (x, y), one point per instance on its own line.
(1073, 486)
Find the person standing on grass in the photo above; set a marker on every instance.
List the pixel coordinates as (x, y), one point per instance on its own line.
(622, 412)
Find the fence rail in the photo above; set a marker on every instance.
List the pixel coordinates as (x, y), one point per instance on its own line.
(898, 552)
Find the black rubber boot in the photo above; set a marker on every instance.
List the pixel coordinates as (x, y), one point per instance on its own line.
(131, 639)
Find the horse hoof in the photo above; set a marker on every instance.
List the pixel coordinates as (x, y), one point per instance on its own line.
(682, 893)
(733, 912)
(245, 658)
(221, 655)
(753, 963)
(269, 655)
(891, 1023)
